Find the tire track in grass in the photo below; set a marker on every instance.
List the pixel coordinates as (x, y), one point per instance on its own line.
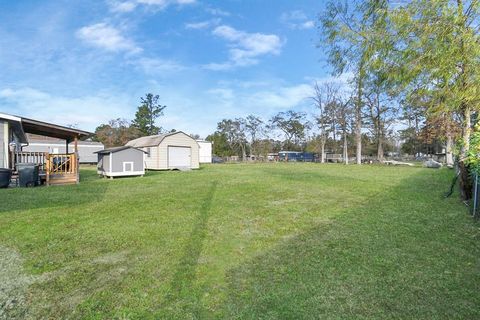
(183, 294)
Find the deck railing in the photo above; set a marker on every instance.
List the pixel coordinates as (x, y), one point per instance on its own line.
(56, 166)
(39, 158)
(62, 163)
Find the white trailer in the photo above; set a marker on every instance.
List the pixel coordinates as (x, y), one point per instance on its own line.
(205, 151)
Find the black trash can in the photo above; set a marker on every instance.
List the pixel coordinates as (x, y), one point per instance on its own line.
(5, 176)
(28, 174)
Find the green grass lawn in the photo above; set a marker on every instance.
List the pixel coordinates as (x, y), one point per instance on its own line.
(266, 241)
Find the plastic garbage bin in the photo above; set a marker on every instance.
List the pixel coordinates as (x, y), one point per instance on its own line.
(5, 176)
(28, 174)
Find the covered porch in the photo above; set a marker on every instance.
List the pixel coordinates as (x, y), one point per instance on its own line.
(54, 168)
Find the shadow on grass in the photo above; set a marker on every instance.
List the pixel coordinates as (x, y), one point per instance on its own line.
(183, 294)
(405, 253)
(90, 189)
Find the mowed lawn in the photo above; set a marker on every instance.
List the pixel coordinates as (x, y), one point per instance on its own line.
(256, 241)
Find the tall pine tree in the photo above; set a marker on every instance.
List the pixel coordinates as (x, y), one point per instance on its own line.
(148, 112)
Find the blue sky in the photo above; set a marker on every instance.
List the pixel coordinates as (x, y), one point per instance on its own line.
(85, 62)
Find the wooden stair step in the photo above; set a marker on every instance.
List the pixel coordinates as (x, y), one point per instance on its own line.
(66, 178)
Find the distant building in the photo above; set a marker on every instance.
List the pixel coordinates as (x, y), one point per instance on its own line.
(272, 157)
(296, 156)
(86, 149)
(174, 150)
(205, 151)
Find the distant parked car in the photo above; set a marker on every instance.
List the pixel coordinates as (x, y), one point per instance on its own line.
(216, 159)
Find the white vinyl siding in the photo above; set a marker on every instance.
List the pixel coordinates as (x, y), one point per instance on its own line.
(152, 161)
(3, 144)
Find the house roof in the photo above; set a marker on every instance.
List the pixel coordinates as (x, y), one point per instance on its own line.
(150, 141)
(117, 149)
(53, 130)
(26, 125)
(15, 124)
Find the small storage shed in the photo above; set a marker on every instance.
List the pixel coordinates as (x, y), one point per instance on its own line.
(121, 162)
(175, 150)
(205, 151)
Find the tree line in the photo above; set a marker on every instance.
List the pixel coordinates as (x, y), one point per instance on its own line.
(420, 57)
(117, 132)
(413, 70)
(327, 130)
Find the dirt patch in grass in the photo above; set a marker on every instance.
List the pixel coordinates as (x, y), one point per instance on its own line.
(14, 283)
(111, 258)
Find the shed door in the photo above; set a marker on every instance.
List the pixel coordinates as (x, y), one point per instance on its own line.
(179, 157)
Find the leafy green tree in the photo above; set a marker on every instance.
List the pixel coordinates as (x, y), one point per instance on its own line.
(220, 144)
(325, 100)
(148, 112)
(254, 127)
(352, 33)
(438, 49)
(293, 125)
(116, 132)
(235, 133)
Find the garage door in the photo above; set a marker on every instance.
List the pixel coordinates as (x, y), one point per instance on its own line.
(179, 157)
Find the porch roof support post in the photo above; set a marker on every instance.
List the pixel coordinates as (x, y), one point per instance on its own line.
(66, 145)
(77, 169)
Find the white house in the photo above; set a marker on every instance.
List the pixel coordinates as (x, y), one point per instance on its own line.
(175, 150)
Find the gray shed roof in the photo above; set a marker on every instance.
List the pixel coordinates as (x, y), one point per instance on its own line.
(150, 141)
(116, 149)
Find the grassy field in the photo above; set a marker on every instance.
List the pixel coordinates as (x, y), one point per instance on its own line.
(267, 241)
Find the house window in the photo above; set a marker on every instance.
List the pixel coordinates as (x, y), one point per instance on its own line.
(148, 152)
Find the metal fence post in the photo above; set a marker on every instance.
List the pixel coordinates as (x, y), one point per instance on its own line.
(475, 196)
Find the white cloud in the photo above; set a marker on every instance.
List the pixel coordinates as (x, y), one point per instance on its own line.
(307, 25)
(222, 93)
(125, 6)
(157, 65)
(202, 24)
(245, 48)
(104, 36)
(297, 19)
(130, 5)
(218, 66)
(284, 97)
(262, 98)
(218, 12)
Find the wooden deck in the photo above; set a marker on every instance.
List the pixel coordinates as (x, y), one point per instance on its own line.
(55, 169)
